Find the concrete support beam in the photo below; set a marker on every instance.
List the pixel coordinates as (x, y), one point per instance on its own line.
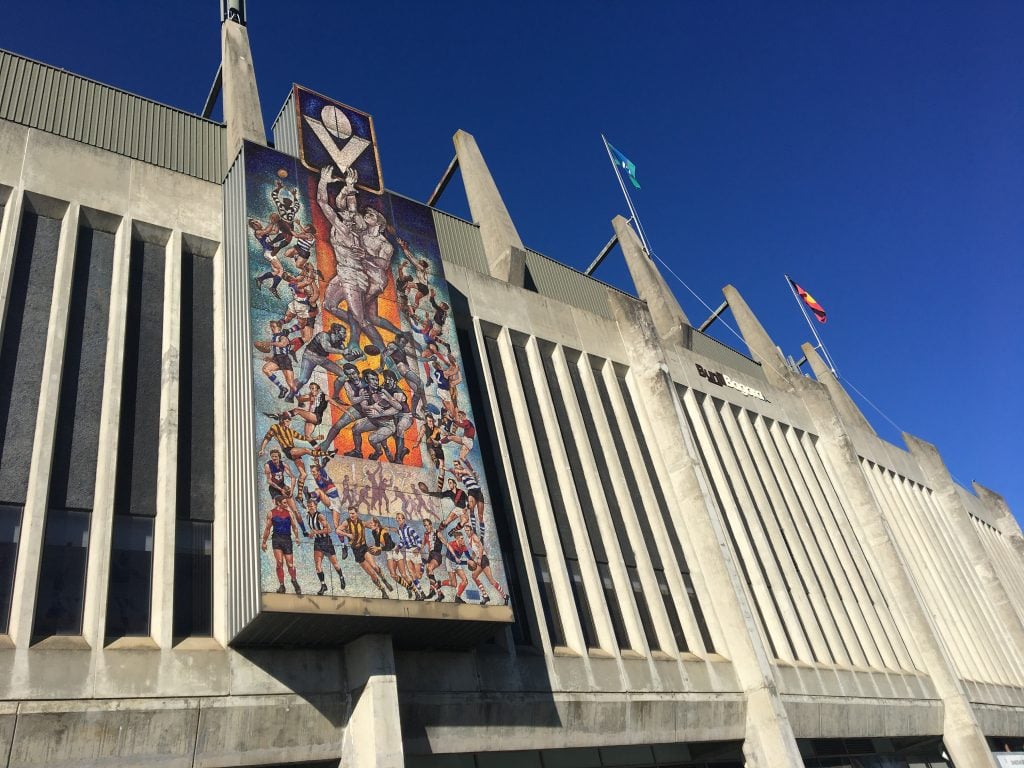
(241, 99)
(506, 258)
(941, 483)
(373, 735)
(962, 735)
(848, 410)
(769, 740)
(33, 524)
(760, 344)
(669, 319)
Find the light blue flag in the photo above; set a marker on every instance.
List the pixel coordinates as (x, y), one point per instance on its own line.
(625, 164)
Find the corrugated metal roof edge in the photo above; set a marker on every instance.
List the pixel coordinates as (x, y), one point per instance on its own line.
(113, 88)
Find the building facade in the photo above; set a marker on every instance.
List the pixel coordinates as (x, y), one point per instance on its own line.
(710, 559)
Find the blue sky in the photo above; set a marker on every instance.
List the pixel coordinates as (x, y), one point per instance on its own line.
(874, 151)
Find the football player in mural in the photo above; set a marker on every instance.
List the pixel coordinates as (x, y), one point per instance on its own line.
(362, 255)
(420, 276)
(402, 355)
(280, 521)
(286, 437)
(410, 564)
(353, 531)
(457, 559)
(280, 350)
(316, 354)
(322, 545)
(277, 474)
(272, 237)
(287, 207)
(313, 406)
(325, 489)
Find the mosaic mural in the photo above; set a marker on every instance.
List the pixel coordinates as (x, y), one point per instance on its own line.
(370, 482)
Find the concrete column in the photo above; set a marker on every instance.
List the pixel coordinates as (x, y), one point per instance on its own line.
(769, 740)
(669, 319)
(33, 523)
(506, 258)
(101, 525)
(962, 734)
(373, 735)
(941, 483)
(240, 97)
(221, 444)
(848, 410)
(9, 226)
(1005, 522)
(760, 344)
(167, 451)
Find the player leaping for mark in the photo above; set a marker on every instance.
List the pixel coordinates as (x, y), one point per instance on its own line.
(362, 255)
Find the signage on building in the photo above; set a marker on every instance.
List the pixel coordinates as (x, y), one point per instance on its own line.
(724, 380)
(370, 482)
(1010, 759)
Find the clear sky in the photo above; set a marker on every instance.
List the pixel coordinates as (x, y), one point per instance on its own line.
(874, 151)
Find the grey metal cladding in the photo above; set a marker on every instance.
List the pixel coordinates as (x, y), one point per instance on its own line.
(285, 130)
(68, 105)
(460, 242)
(715, 350)
(563, 283)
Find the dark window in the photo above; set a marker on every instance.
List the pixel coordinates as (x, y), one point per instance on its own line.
(673, 536)
(10, 532)
(193, 564)
(523, 488)
(62, 574)
(555, 498)
(515, 574)
(625, 547)
(76, 440)
(21, 364)
(641, 513)
(138, 445)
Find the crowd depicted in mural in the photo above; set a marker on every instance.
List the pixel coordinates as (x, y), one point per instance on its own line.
(367, 459)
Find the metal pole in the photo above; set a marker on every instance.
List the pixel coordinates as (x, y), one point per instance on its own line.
(600, 257)
(443, 183)
(714, 316)
(629, 201)
(803, 311)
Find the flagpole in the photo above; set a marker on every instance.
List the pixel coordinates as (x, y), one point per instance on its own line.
(803, 311)
(629, 200)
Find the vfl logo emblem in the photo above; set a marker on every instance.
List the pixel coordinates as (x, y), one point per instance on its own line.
(723, 380)
(331, 133)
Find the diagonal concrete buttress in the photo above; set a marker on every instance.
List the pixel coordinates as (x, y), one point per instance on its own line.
(506, 254)
(670, 321)
(848, 410)
(760, 344)
(241, 99)
(1006, 523)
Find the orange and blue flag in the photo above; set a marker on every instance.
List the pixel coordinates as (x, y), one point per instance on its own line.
(815, 307)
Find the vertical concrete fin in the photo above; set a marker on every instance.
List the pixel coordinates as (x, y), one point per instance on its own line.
(502, 245)
(848, 410)
(760, 344)
(669, 319)
(241, 99)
